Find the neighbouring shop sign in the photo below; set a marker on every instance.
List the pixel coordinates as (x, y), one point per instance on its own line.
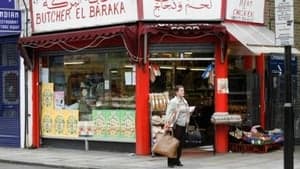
(284, 22)
(53, 15)
(245, 10)
(276, 64)
(7, 4)
(200, 10)
(10, 20)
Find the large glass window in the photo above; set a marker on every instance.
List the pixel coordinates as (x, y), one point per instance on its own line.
(96, 88)
(100, 79)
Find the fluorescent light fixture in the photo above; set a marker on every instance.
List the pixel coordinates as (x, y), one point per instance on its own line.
(166, 67)
(188, 53)
(180, 68)
(198, 69)
(113, 71)
(74, 63)
(128, 66)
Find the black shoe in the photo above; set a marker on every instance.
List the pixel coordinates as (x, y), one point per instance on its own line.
(179, 164)
(171, 166)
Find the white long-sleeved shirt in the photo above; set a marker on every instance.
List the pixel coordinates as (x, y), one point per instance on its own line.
(178, 112)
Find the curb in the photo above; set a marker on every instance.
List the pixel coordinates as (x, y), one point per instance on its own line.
(43, 164)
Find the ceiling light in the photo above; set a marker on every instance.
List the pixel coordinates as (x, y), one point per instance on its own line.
(166, 67)
(180, 68)
(198, 69)
(74, 63)
(188, 53)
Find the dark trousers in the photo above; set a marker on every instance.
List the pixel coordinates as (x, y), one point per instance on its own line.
(179, 132)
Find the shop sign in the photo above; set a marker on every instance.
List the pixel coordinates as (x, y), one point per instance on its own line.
(200, 10)
(7, 4)
(53, 15)
(276, 64)
(10, 20)
(284, 22)
(245, 10)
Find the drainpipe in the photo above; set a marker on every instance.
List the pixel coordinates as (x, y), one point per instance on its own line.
(27, 19)
(26, 79)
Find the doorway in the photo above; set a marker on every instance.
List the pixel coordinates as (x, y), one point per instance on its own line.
(192, 67)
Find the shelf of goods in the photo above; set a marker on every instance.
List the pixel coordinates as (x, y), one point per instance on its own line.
(158, 105)
(255, 140)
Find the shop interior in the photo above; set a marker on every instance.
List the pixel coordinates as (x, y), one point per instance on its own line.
(99, 79)
(193, 70)
(94, 89)
(92, 94)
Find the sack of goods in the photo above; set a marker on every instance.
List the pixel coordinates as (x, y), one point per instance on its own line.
(166, 145)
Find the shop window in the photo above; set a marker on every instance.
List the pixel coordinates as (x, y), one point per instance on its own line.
(93, 92)
(99, 78)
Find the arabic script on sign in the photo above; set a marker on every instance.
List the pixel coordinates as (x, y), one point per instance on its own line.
(180, 6)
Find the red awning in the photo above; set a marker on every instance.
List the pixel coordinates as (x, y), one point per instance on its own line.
(88, 34)
(187, 31)
(93, 37)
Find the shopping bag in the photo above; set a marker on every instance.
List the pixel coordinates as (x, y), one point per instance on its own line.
(166, 145)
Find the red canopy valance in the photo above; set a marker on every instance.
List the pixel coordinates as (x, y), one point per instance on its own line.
(184, 30)
(92, 38)
(131, 35)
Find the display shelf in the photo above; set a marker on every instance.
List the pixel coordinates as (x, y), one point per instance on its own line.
(238, 94)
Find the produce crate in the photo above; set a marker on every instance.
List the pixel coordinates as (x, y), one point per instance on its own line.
(251, 148)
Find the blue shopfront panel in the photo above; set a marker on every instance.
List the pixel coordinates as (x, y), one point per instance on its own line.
(9, 4)
(9, 93)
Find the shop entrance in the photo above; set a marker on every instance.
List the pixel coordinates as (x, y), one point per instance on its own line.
(192, 67)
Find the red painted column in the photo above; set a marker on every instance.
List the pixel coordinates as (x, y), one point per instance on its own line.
(248, 63)
(221, 101)
(260, 67)
(142, 126)
(35, 105)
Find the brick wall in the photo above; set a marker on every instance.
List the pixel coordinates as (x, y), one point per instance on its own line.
(270, 18)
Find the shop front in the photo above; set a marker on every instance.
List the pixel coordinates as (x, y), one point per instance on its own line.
(93, 84)
(85, 96)
(253, 87)
(186, 55)
(11, 133)
(109, 80)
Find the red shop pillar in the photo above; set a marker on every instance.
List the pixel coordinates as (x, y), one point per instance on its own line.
(142, 126)
(260, 67)
(248, 62)
(35, 105)
(221, 99)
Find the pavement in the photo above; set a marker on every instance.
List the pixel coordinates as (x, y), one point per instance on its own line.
(199, 157)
